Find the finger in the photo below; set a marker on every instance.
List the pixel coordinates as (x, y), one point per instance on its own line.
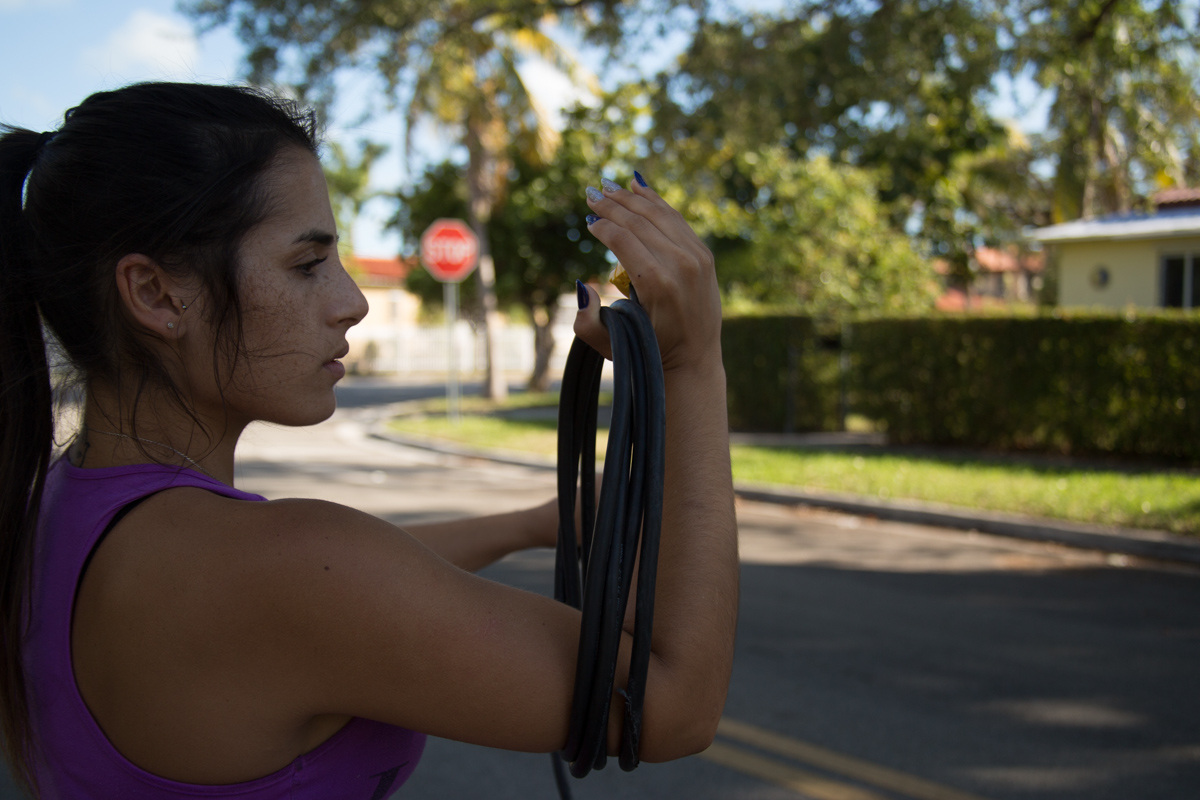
(654, 264)
(588, 326)
(661, 231)
(641, 199)
(634, 239)
(639, 262)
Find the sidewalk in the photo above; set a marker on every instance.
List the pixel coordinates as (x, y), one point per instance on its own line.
(1133, 542)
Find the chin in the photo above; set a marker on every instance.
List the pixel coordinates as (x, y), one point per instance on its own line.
(298, 412)
(310, 415)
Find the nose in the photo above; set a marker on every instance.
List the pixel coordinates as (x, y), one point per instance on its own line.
(351, 305)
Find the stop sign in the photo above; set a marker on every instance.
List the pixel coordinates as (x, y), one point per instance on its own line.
(449, 250)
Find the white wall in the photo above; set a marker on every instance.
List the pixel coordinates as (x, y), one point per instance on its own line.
(1134, 269)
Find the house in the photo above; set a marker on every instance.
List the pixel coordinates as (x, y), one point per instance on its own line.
(1000, 276)
(1139, 259)
(392, 308)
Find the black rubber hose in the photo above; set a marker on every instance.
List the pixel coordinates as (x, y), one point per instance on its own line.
(596, 576)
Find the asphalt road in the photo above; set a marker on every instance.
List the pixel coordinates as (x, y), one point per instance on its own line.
(875, 660)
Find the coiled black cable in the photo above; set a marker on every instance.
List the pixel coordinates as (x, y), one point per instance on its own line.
(596, 576)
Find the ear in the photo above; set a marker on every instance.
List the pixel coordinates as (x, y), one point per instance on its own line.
(150, 296)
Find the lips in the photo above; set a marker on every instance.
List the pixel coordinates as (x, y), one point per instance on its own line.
(335, 367)
(340, 354)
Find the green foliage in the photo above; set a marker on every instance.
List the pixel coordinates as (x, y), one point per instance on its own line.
(900, 89)
(539, 240)
(787, 232)
(1124, 81)
(305, 42)
(1100, 384)
(820, 147)
(780, 375)
(810, 234)
(442, 192)
(348, 181)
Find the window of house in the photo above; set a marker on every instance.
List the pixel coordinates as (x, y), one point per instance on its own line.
(1180, 283)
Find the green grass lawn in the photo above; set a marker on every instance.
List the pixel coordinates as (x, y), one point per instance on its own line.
(1167, 500)
(538, 437)
(1150, 499)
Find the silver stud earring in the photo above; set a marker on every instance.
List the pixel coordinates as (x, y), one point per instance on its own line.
(184, 305)
(170, 324)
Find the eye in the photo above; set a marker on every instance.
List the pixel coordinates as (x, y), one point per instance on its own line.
(308, 268)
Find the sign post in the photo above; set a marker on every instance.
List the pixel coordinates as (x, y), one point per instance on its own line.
(450, 252)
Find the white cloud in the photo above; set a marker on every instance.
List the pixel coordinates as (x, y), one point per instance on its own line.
(147, 45)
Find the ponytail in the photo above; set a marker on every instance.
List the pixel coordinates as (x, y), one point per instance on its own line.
(26, 435)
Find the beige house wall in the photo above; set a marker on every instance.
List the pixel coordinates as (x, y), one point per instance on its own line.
(390, 309)
(1134, 270)
(390, 305)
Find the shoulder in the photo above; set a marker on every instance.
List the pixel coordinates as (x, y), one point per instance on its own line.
(316, 608)
(217, 549)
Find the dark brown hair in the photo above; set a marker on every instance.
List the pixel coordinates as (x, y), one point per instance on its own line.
(171, 171)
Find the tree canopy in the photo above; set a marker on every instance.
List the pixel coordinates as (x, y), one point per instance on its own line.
(830, 150)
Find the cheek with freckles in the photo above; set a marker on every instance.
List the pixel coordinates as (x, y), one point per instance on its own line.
(278, 372)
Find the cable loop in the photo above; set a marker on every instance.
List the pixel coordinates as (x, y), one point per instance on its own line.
(597, 576)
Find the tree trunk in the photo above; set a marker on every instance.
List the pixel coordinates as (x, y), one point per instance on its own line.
(482, 190)
(494, 386)
(1094, 152)
(543, 347)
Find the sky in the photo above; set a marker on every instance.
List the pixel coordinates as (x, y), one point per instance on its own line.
(54, 53)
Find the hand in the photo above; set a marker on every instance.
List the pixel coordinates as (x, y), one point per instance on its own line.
(672, 270)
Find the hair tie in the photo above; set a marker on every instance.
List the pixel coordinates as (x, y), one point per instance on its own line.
(44, 139)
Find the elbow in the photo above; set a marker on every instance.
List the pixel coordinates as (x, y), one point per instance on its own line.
(684, 735)
(683, 708)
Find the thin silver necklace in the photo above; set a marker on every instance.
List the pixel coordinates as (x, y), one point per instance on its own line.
(88, 429)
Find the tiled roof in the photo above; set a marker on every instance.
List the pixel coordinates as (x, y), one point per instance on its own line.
(993, 259)
(384, 270)
(1179, 195)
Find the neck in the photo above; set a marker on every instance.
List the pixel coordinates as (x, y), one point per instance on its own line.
(153, 430)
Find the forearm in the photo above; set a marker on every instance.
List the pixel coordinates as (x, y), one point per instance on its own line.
(473, 543)
(697, 586)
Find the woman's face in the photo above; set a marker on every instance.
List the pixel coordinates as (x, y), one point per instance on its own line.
(297, 304)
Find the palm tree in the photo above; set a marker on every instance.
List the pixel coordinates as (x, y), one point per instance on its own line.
(349, 191)
(471, 84)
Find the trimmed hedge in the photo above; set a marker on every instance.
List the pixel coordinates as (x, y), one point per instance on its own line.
(1074, 383)
(780, 376)
(1102, 384)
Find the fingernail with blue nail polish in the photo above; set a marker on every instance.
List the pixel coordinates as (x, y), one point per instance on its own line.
(637, 176)
(582, 291)
(591, 219)
(608, 185)
(594, 194)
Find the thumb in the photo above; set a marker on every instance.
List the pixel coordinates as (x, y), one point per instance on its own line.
(588, 326)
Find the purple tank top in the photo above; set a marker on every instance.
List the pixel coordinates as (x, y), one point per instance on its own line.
(365, 760)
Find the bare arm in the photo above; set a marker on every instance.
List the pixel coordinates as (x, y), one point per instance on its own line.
(473, 543)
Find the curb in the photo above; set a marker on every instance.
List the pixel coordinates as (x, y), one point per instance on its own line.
(1136, 542)
(450, 449)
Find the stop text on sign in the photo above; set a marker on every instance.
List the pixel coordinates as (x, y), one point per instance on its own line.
(449, 250)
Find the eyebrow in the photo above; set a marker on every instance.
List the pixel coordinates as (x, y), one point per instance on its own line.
(316, 235)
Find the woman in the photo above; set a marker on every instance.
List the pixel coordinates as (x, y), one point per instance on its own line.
(167, 635)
